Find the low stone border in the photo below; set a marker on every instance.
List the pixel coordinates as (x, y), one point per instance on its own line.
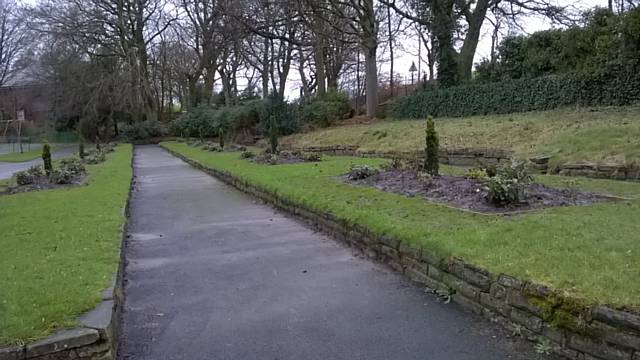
(457, 157)
(474, 157)
(558, 324)
(96, 337)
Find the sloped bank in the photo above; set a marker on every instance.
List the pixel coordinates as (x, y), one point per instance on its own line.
(96, 335)
(557, 323)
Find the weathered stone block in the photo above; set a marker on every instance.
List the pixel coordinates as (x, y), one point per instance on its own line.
(12, 353)
(389, 253)
(435, 273)
(529, 321)
(100, 319)
(598, 349)
(477, 277)
(615, 335)
(617, 317)
(498, 291)
(462, 287)
(510, 282)
(62, 340)
(520, 301)
(415, 264)
(430, 257)
(390, 242)
(417, 276)
(409, 251)
(496, 305)
(467, 303)
(553, 333)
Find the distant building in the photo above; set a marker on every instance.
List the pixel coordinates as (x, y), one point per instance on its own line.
(30, 99)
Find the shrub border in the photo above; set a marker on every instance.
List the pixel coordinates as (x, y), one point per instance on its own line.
(98, 330)
(573, 330)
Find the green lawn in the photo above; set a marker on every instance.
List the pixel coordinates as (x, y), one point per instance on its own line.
(590, 252)
(60, 249)
(27, 155)
(608, 135)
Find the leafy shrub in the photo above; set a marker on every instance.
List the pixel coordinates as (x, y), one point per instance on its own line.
(607, 88)
(247, 155)
(95, 157)
(431, 162)
(312, 157)
(61, 176)
(143, 130)
(325, 110)
(509, 185)
(30, 176)
(477, 174)
(73, 165)
(360, 172)
(394, 164)
(46, 158)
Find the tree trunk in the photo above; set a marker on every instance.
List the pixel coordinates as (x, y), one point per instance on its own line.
(468, 50)
(321, 78)
(371, 73)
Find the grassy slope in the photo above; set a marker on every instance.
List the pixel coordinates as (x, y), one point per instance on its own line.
(59, 250)
(591, 252)
(610, 135)
(26, 156)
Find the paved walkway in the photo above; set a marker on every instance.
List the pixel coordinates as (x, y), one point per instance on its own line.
(8, 169)
(212, 274)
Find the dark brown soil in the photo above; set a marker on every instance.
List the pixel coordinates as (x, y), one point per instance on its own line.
(469, 194)
(43, 184)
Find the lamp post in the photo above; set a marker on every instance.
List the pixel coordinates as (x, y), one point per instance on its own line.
(412, 70)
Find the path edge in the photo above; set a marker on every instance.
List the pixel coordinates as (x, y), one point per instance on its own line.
(556, 323)
(98, 330)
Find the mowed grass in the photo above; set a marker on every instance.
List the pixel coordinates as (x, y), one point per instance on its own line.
(59, 249)
(590, 252)
(607, 135)
(27, 155)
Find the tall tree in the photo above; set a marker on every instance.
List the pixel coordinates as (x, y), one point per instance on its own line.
(13, 40)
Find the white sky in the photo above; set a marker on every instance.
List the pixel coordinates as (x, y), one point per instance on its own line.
(403, 61)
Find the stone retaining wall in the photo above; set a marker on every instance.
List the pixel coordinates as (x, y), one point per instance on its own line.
(567, 327)
(96, 337)
(475, 157)
(457, 157)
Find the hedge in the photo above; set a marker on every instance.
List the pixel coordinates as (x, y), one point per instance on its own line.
(521, 95)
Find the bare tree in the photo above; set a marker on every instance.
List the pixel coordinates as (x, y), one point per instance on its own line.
(13, 40)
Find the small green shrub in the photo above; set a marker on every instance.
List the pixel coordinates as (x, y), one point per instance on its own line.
(509, 185)
(46, 158)
(143, 130)
(477, 174)
(360, 172)
(431, 162)
(95, 157)
(325, 110)
(61, 176)
(73, 165)
(30, 176)
(311, 157)
(247, 155)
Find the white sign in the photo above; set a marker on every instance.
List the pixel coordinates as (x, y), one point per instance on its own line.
(20, 115)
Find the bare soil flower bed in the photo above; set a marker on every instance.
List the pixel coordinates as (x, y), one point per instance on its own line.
(44, 184)
(469, 194)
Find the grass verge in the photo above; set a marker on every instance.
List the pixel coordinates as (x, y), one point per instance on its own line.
(607, 135)
(59, 250)
(588, 252)
(27, 155)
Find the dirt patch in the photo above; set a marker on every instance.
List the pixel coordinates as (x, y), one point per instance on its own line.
(43, 184)
(463, 193)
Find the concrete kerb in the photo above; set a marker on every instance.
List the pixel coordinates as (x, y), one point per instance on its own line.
(529, 310)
